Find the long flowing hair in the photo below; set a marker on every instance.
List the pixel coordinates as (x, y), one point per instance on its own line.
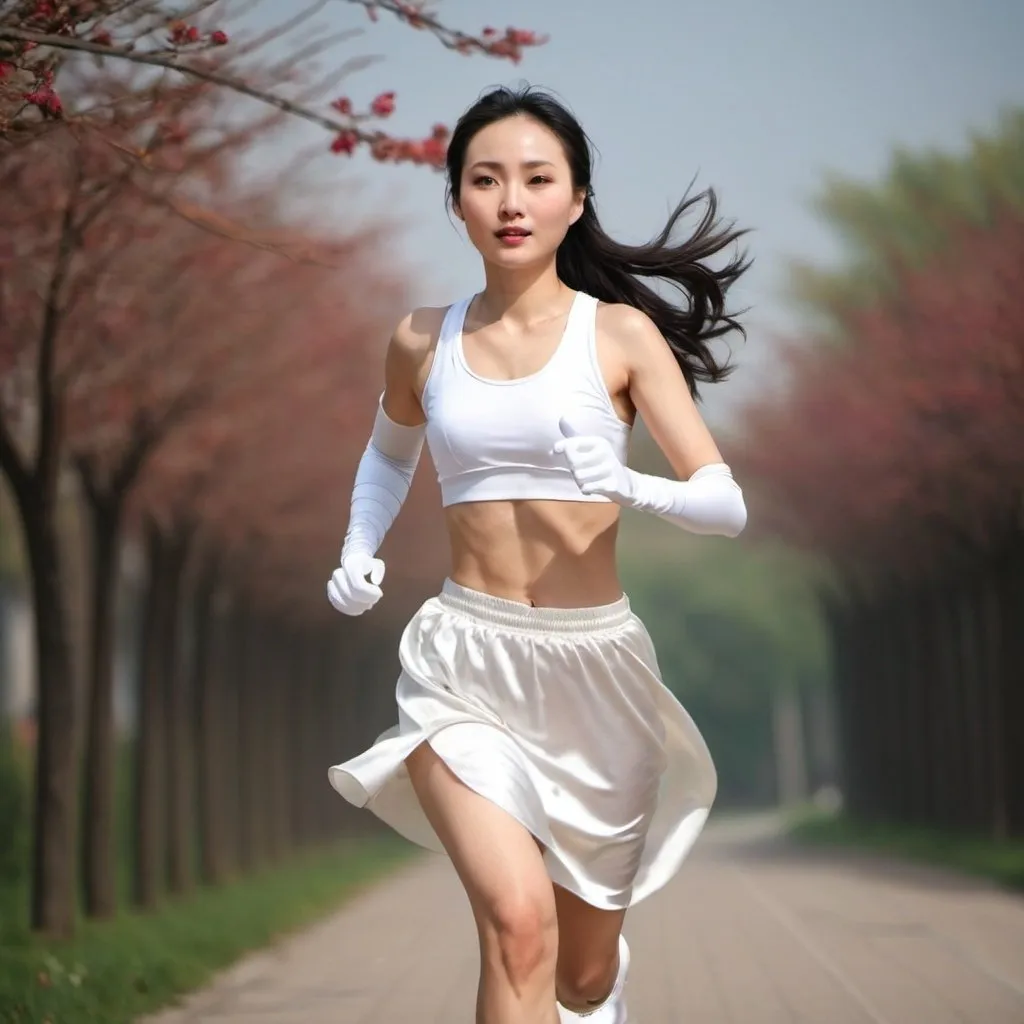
(591, 261)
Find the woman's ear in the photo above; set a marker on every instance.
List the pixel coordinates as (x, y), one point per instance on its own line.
(577, 207)
(457, 210)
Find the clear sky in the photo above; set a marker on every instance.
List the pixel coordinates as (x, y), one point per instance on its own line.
(759, 98)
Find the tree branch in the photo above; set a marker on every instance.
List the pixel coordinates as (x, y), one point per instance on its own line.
(170, 63)
(508, 46)
(147, 434)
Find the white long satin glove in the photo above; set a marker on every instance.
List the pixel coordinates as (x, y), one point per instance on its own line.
(594, 464)
(710, 502)
(349, 590)
(383, 478)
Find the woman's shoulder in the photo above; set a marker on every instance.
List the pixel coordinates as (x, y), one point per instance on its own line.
(624, 324)
(417, 332)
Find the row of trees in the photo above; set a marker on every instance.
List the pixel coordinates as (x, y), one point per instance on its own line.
(896, 450)
(197, 370)
(742, 643)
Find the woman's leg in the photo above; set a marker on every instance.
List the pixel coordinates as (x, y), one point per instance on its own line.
(588, 951)
(500, 866)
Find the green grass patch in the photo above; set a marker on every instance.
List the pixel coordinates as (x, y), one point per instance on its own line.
(1001, 861)
(111, 972)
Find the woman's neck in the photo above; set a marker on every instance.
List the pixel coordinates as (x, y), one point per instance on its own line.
(521, 298)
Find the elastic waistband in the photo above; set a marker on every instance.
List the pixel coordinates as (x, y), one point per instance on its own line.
(500, 611)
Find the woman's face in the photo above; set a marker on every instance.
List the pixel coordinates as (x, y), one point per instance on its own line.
(517, 197)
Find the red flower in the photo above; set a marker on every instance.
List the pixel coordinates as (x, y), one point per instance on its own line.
(384, 104)
(344, 142)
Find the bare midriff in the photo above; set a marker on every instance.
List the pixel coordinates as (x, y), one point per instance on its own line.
(553, 554)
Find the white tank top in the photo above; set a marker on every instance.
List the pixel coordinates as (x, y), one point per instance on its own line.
(492, 440)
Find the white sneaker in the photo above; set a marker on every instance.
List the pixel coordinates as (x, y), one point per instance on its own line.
(613, 1009)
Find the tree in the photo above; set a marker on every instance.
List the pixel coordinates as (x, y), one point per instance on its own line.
(896, 455)
(902, 444)
(36, 36)
(34, 357)
(901, 222)
(235, 501)
(168, 330)
(739, 635)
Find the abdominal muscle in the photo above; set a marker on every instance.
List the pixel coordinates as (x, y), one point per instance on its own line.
(555, 554)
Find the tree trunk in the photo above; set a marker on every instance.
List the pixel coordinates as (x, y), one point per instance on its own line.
(790, 755)
(264, 750)
(882, 682)
(177, 705)
(1010, 733)
(35, 486)
(917, 695)
(247, 683)
(287, 751)
(150, 761)
(232, 679)
(56, 783)
(99, 861)
(975, 688)
(207, 690)
(910, 709)
(305, 778)
(153, 742)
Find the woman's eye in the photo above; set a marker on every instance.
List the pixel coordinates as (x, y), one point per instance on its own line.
(539, 179)
(484, 179)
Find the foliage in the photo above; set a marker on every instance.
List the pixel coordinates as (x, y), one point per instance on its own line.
(767, 587)
(900, 223)
(1002, 861)
(732, 624)
(116, 971)
(908, 442)
(904, 444)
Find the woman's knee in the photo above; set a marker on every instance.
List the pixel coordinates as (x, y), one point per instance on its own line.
(519, 933)
(584, 982)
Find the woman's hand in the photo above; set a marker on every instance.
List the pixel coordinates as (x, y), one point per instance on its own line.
(594, 465)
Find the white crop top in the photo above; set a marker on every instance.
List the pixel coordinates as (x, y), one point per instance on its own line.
(493, 439)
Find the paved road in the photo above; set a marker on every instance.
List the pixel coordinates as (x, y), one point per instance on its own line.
(751, 932)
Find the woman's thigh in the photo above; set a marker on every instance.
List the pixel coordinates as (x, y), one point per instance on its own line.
(498, 860)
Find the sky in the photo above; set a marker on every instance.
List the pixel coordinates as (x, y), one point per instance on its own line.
(761, 100)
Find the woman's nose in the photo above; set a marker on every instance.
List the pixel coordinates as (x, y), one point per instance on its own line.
(511, 203)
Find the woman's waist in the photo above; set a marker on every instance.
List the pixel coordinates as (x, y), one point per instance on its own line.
(540, 553)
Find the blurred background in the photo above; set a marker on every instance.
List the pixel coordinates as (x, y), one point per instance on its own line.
(199, 271)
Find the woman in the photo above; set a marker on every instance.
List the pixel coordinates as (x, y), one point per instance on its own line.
(536, 743)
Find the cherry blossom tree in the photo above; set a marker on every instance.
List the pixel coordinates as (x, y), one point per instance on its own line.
(895, 453)
(75, 141)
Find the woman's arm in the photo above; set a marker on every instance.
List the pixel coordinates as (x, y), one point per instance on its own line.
(706, 499)
(389, 462)
(385, 471)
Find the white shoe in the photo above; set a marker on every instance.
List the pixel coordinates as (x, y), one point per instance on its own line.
(613, 1009)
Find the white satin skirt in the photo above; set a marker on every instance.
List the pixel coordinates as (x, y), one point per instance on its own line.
(561, 718)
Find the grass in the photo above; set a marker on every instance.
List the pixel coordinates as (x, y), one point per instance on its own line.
(1001, 861)
(111, 972)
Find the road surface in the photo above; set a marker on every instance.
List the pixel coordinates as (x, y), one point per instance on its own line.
(752, 931)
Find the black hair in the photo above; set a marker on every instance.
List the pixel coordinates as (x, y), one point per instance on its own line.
(589, 260)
